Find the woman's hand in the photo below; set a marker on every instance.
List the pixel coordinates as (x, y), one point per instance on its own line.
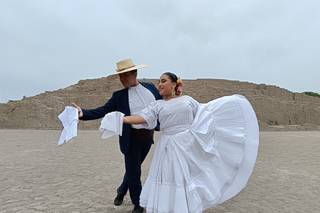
(80, 113)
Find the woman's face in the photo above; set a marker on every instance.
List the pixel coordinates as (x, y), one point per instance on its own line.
(166, 86)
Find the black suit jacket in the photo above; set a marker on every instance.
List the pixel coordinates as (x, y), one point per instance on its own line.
(119, 102)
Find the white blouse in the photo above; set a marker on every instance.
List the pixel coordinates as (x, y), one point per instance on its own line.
(139, 98)
(176, 112)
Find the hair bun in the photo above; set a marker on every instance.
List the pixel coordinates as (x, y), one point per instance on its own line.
(179, 81)
(179, 87)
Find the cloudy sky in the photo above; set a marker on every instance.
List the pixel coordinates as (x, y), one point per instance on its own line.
(50, 44)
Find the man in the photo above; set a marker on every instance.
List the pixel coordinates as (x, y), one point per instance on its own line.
(135, 141)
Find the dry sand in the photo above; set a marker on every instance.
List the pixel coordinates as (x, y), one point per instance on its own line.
(36, 175)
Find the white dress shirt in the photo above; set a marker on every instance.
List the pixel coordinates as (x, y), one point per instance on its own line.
(139, 98)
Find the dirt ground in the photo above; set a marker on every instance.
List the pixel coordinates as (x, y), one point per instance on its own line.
(36, 175)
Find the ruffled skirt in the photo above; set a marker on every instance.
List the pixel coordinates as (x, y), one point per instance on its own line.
(199, 166)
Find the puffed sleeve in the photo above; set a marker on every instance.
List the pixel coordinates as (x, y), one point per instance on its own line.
(194, 105)
(150, 114)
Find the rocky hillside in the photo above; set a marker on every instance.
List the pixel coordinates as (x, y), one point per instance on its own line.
(276, 108)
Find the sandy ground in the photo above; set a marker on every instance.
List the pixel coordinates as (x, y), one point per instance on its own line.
(36, 175)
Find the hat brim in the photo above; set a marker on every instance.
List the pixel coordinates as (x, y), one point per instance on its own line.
(130, 69)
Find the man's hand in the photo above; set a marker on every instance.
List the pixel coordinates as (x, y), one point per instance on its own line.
(80, 113)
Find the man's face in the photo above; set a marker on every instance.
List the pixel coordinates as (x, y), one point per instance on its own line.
(128, 79)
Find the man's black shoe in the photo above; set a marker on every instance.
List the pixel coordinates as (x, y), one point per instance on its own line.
(118, 200)
(137, 209)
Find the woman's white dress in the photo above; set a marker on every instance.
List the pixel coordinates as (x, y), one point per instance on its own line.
(205, 154)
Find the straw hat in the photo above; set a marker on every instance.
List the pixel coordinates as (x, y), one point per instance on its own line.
(127, 65)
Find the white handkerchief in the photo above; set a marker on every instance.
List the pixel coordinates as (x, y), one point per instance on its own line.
(111, 124)
(69, 120)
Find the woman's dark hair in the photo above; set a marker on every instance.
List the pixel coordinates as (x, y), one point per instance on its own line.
(172, 76)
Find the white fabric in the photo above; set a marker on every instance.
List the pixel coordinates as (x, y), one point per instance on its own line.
(205, 154)
(111, 124)
(139, 98)
(69, 120)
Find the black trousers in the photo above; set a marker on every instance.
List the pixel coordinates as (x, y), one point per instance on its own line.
(140, 144)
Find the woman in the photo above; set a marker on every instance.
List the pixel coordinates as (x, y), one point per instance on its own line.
(205, 154)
